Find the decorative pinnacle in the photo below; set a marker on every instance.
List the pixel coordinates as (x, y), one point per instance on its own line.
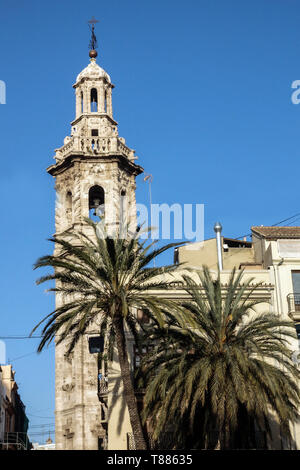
(93, 42)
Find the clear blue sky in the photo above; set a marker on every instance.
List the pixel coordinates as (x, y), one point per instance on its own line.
(203, 93)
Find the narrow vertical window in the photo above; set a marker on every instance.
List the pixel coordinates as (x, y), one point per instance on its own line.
(69, 207)
(123, 219)
(81, 102)
(105, 101)
(297, 326)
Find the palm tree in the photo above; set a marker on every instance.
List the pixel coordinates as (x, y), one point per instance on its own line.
(220, 371)
(102, 277)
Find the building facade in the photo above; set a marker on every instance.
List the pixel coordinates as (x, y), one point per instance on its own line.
(272, 257)
(13, 419)
(2, 408)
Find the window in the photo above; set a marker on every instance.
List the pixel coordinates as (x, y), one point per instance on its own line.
(96, 344)
(296, 281)
(94, 100)
(105, 101)
(297, 326)
(94, 132)
(69, 206)
(123, 208)
(296, 289)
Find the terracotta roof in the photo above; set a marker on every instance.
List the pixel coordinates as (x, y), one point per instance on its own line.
(273, 233)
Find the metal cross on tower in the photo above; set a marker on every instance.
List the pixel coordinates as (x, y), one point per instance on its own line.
(93, 42)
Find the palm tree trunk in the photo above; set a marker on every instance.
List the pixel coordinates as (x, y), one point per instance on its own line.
(224, 437)
(218, 444)
(134, 416)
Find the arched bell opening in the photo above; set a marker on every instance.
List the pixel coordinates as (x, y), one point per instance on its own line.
(96, 203)
(94, 100)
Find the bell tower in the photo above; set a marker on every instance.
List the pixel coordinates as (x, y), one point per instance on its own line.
(94, 174)
(94, 166)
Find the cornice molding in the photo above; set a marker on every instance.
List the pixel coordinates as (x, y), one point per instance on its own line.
(69, 161)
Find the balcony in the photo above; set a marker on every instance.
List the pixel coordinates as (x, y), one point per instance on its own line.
(78, 144)
(294, 306)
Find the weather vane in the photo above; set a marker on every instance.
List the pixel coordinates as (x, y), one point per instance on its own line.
(93, 42)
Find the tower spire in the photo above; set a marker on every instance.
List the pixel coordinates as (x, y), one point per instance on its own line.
(93, 42)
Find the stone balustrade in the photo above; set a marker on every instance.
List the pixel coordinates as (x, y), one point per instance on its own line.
(93, 146)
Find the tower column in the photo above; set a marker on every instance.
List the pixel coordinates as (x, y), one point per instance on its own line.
(109, 102)
(85, 100)
(88, 93)
(78, 102)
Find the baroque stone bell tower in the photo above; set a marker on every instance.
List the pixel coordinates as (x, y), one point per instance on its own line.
(94, 168)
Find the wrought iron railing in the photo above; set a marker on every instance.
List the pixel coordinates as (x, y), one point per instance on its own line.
(293, 303)
(15, 440)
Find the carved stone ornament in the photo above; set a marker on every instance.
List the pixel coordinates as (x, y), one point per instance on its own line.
(96, 169)
(68, 387)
